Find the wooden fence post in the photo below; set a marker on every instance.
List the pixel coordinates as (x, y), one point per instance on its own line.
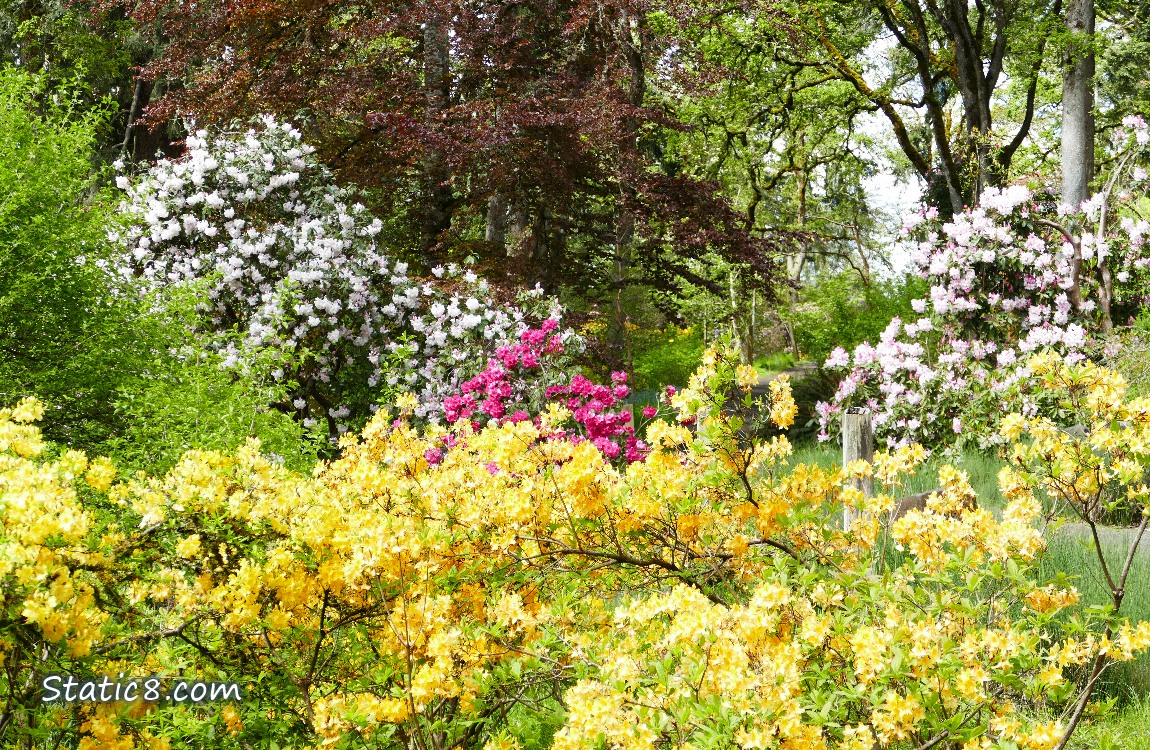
(858, 442)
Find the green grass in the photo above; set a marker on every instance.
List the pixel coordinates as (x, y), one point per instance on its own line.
(771, 364)
(1071, 551)
(665, 357)
(1126, 729)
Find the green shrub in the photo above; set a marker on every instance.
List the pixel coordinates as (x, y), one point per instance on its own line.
(837, 310)
(665, 357)
(191, 404)
(182, 399)
(67, 332)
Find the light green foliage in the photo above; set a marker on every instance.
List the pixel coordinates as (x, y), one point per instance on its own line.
(785, 146)
(1124, 47)
(836, 310)
(65, 330)
(184, 400)
(665, 357)
(194, 404)
(91, 52)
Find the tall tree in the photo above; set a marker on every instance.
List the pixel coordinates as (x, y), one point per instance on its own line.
(784, 141)
(1078, 104)
(944, 57)
(521, 134)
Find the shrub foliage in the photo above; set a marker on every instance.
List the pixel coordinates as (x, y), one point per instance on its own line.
(704, 596)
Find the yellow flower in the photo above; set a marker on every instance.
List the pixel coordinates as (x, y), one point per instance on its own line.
(857, 737)
(100, 474)
(783, 407)
(232, 720)
(189, 547)
(897, 717)
(406, 403)
(1050, 598)
(28, 410)
(1012, 426)
(970, 681)
(1044, 736)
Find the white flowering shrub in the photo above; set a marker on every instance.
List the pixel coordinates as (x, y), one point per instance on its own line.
(1014, 275)
(298, 281)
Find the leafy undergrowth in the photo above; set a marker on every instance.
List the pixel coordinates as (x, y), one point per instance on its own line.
(1126, 729)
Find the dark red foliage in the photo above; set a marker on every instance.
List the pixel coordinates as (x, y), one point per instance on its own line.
(522, 133)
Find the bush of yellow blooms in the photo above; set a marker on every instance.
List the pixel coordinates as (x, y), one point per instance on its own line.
(704, 597)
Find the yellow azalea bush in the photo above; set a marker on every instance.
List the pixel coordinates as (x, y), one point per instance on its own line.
(523, 591)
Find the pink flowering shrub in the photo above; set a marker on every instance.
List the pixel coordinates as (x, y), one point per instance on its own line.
(1012, 276)
(521, 380)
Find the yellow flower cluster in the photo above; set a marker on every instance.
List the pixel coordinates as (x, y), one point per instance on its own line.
(783, 406)
(1051, 599)
(702, 596)
(952, 524)
(43, 531)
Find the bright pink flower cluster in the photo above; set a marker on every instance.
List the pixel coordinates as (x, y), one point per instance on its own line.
(591, 405)
(489, 391)
(498, 394)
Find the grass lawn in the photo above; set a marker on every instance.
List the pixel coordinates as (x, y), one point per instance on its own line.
(981, 469)
(1071, 550)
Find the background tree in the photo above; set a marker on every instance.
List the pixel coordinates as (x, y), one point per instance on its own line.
(784, 141)
(95, 55)
(529, 142)
(937, 79)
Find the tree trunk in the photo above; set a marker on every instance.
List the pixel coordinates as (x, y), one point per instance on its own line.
(436, 216)
(741, 340)
(1078, 121)
(1078, 106)
(796, 264)
(752, 332)
(496, 229)
(133, 110)
(630, 31)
